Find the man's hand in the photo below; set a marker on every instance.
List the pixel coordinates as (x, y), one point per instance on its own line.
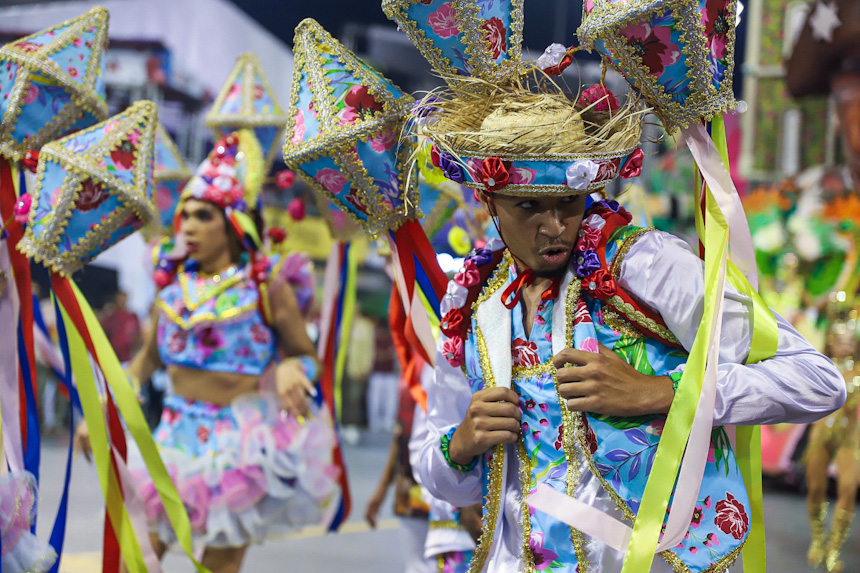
(82, 441)
(493, 418)
(293, 387)
(604, 383)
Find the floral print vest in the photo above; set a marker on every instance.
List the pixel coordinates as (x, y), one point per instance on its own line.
(619, 451)
(214, 324)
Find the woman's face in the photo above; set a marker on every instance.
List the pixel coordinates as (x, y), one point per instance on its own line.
(204, 228)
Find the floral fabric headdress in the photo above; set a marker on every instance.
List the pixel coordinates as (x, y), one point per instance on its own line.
(93, 189)
(169, 180)
(246, 101)
(52, 83)
(503, 126)
(464, 37)
(343, 132)
(230, 177)
(679, 54)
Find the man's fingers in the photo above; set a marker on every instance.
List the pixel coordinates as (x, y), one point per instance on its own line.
(572, 356)
(498, 394)
(498, 410)
(575, 389)
(573, 374)
(503, 437)
(580, 404)
(497, 424)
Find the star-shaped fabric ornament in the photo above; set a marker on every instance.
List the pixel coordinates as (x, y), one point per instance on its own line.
(824, 21)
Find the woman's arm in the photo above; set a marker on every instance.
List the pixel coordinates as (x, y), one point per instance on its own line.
(147, 360)
(293, 378)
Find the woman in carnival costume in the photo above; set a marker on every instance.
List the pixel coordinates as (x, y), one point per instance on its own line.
(249, 465)
(836, 438)
(563, 344)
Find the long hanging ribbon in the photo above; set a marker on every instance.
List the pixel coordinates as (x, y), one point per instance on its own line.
(58, 533)
(128, 406)
(406, 355)
(21, 272)
(12, 443)
(337, 273)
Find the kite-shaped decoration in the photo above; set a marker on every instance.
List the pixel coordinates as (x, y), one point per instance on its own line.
(246, 101)
(169, 179)
(52, 83)
(343, 135)
(93, 189)
(463, 37)
(679, 54)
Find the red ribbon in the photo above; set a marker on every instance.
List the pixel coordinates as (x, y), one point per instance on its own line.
(111, 557)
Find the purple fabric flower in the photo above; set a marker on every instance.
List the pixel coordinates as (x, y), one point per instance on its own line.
(422, 109)
(610, 204)
(450, 167)
(480, 256)
(586, 263)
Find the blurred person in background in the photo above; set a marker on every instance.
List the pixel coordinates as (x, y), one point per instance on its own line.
(249, 464)
(122, 327)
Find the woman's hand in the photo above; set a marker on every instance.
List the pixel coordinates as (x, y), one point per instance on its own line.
(293, 388)
(371, 514)
(82, 441)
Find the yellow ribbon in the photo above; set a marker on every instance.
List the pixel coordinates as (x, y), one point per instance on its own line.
(347, 315)
(129, 409)
(713, 231)
(89, 397)
(748, 438)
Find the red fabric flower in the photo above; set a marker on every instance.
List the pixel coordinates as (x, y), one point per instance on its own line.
(31, 160)
(470, 276)
(284, 179)
(602, 98)
(565, 62)
(453, 351)
(277, 234)
(434, 156)
(731, 517)
(600, 284)
(589, 238)
(494, 173)
(91, 195)
(161, 278)
(453, 324)
(525, 353)
(496, 36)
(22, 208)
(633, 166)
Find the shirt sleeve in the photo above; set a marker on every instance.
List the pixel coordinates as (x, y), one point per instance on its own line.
(797, 385)
(448, 399)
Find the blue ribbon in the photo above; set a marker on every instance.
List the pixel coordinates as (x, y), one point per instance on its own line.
(32, 453)
(58, 533)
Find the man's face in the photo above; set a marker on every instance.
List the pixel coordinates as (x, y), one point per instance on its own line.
(540, 231)
(204, 229)
(846, 88)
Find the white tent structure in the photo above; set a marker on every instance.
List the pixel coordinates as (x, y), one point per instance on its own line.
(205, 37)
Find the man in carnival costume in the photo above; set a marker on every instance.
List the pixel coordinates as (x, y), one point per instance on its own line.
(564, 343)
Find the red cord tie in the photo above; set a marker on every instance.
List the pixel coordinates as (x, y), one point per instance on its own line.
(512, 294)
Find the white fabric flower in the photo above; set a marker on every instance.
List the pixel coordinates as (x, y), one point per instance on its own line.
(551, 57)
(595, 222)
(455, 297)
(581, 173)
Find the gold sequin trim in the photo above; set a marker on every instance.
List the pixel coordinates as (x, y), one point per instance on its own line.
(450, 525)
(500, 275)
(494, 467)
(186, 324)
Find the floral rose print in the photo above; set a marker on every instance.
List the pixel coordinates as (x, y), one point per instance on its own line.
(177, 341)
(495, 35)
(444, 21)
(360, 103)
(543, 556)
(91, 195)
(525, 353)
(653, 45)
(123, 155)
(298, 128)
(383, 141)
(731, 517)
(28, 46)
(261, 334)
(715, 19)
(333, 181)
